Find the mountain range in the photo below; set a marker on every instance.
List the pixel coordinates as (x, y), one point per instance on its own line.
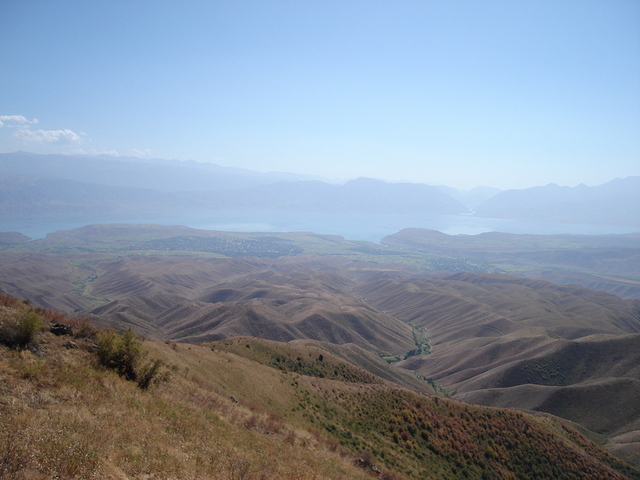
(614, 203)
(425, 355)
(40, 185)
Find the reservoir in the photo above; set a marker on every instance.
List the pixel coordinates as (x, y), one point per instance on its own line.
(352, 226)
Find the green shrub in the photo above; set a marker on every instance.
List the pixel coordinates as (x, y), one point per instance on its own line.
(151, 373)
(22, 331)
(123, 353)
(29, 324)
(120, 352)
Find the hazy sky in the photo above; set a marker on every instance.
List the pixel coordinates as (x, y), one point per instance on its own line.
(510, 93)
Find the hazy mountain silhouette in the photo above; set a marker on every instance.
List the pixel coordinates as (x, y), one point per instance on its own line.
(163, 175)
(613, 203)
(471, 198)
(24, 195)
(361, 195)
(59, 184)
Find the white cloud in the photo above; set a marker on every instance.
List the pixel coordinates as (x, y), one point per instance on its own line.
(141, 153)
(10, 120)
(57, 137)
(25, 134)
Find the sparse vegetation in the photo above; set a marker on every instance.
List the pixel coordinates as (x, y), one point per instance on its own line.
(229, 245)
(223, 416)
(65, 417)
(478, 324)
(19, 328)
(122, 352)
(423, 345)
(310, 363)
(438, 438)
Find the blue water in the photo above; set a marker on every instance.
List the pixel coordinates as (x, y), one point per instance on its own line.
(369, 227)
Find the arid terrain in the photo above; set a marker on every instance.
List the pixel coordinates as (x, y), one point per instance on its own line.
(248, 408)
(390, 310)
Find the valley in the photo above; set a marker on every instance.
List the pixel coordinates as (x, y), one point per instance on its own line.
(249, 408)
(490, 330)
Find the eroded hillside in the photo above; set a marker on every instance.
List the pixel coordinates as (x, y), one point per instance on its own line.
(496, 340)
(246, 408)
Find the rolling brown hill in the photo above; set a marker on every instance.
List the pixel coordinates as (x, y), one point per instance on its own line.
(509, 342)
(492, 339)
(49, 281)
(279, 305)
(489, 305)
(599, 262)
(247, 408)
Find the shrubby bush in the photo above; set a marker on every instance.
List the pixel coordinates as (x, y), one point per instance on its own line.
(21, 330)
(120, 352)
(152, 372)
(123, 354)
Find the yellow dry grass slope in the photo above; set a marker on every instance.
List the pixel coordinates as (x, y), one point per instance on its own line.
(63, 416)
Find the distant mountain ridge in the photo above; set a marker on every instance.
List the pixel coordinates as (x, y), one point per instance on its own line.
(36, 185)
(361, 195)
(471, 198)
(614, 203)
(58, 184)
(25, 195)
(162, 175)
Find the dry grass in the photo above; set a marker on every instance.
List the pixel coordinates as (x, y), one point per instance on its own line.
(227, 416)
(63, 416)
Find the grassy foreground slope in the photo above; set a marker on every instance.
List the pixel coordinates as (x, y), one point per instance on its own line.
(64, 416)
(252, 409)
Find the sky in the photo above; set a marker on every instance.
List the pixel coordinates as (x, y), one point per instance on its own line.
(508, 94)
